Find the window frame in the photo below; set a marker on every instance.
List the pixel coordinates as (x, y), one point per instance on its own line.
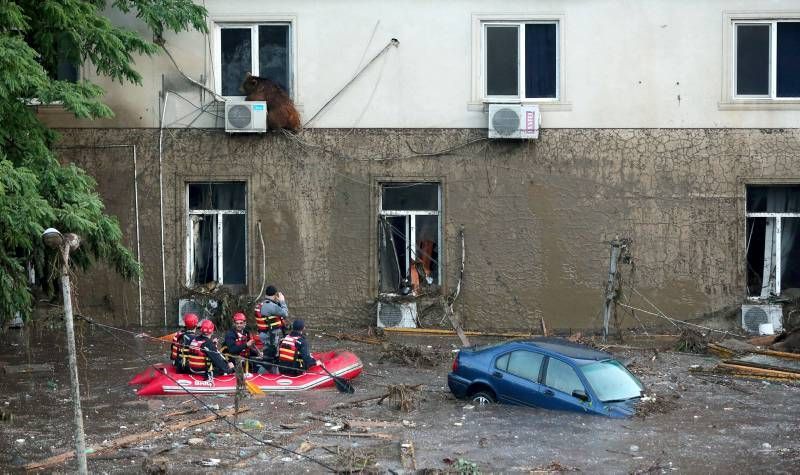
(411, 228)
(219, 252)
(729, 99)
(773, 59)
(521, 59)
(221, 23)
(478, 99)
(778, 231)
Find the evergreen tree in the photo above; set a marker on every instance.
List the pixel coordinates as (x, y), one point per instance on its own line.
(37, 37)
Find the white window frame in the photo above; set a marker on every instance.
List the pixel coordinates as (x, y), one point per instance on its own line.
(729, 99)
(254, 66)
(218, 242)
(411, 235)
(520, 26)
(776, 246)
(478, 98)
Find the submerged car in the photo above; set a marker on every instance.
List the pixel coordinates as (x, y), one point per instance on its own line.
(550, 373)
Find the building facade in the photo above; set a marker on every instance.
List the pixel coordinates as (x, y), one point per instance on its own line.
(672, 124)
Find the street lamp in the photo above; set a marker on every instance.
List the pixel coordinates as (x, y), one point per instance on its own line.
(64, 243)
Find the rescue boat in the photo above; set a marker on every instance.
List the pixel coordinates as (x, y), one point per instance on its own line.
(162, 379)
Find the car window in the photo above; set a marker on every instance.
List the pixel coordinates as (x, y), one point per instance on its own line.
(525, 364)
(562, 377)
(502, 362)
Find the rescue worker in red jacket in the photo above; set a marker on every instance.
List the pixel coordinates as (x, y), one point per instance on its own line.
(205, 357)
(239, 341)
(179, 353)
(294, 354)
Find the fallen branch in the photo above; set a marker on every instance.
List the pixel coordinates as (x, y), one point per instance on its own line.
(359, 401)
(758, 371)
(126, 440)
(367, 435)
(29, 368)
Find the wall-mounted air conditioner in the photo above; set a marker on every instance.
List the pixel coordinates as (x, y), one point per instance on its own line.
(755, 315)
(245, 116)
(396, 314)
(193, 306)
(514, 121)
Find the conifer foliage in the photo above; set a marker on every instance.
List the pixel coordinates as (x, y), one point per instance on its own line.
(37, 37)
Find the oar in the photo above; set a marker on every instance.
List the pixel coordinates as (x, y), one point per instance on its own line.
(167, 337)
(253, 389)
(342, 385)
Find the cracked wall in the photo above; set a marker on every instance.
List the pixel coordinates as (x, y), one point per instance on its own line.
(537, 215)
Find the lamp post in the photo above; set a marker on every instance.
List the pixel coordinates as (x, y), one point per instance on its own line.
(65, 243)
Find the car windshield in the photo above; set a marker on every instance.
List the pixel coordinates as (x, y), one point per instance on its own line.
(611, 381)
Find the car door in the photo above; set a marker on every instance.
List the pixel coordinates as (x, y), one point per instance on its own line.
(559, 381)
(516, 377)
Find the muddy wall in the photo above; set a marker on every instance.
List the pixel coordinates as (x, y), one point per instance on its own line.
(537, 215)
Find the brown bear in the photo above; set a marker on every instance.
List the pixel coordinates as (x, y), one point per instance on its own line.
(281, 113)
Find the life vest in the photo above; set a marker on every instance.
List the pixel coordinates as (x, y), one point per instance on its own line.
(177, 344)
(242, 339)
(288, 351)
(199, 362)
(267, 323)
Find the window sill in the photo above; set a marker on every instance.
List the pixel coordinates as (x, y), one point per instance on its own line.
(483, 106)
(759, 104)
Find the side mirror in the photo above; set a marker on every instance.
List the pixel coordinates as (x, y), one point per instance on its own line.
(580, 394)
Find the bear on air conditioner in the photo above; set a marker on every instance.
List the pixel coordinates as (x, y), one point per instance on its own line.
(281, 113)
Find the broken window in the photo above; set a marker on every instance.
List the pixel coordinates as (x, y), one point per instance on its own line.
(772, 241)
(409, 236)
(217, 231)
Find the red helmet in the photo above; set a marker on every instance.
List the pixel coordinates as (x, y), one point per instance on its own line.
(207, 326)
(190, 321)
(239, 317)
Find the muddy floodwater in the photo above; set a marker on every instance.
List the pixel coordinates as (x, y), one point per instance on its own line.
(698, 424)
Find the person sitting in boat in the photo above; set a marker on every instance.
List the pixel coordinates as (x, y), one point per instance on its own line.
(294, 354)
(205, 357)
(179, 353)
(271, 321)
(239, 341)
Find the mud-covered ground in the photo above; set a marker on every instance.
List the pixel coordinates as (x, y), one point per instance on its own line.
(699, 424)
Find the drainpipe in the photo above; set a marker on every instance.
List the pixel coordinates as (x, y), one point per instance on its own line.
(136, 207)
(161, 200)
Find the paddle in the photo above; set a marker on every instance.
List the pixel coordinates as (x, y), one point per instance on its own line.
(167, 337)
(342, 385)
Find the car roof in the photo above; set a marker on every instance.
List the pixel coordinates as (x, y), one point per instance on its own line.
(567, 348)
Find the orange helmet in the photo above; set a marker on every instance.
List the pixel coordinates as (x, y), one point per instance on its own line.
(207, 327)
(190, 321)
(239, 317)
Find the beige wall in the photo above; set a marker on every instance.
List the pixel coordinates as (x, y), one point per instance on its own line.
(625, 64)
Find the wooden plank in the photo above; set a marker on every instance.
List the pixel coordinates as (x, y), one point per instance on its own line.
(782, 354)
(126, 440)
(752, 364)
(438, 331)
(407, 456)
(363, 435)
(759, 371)
(28, 368)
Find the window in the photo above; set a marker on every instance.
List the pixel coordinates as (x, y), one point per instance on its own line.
(520, 60)
(767, 59)
(773, 239)
(409, 231)
(216, 235)
(562, 377)
(525, 364)
(262, 49)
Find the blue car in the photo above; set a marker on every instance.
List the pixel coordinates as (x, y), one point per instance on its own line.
(545, 372)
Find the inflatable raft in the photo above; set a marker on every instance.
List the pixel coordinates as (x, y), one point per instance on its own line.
(162, 379)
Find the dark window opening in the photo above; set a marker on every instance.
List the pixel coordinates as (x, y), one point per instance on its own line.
(236, 58)
(262, 50)
(273, 54)
(534, 54)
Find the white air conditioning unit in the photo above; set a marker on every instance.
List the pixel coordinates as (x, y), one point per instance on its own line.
(514, 121)
(245, 116)
(755, 315)
(193, 306)
(392, 314)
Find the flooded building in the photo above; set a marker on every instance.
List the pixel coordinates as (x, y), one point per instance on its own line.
(544, 130)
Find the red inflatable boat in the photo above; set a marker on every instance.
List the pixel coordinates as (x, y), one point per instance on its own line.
(161, 379)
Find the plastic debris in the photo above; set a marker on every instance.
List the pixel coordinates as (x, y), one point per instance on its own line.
(210, 462)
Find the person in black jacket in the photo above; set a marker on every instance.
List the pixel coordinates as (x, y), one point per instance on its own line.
(204, 355)
(294, 353)
(239, 341)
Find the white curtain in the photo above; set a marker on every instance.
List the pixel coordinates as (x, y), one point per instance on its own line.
(779, 200)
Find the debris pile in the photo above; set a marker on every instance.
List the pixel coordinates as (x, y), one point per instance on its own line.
(652, 404)
(413, 355)
(691, 341)
(353, 459)
(403, 397)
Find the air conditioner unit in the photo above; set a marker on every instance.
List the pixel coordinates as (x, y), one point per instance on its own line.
(245, 116)
(193, 306)
(514, 121)
(392, 314)
(755, 315)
